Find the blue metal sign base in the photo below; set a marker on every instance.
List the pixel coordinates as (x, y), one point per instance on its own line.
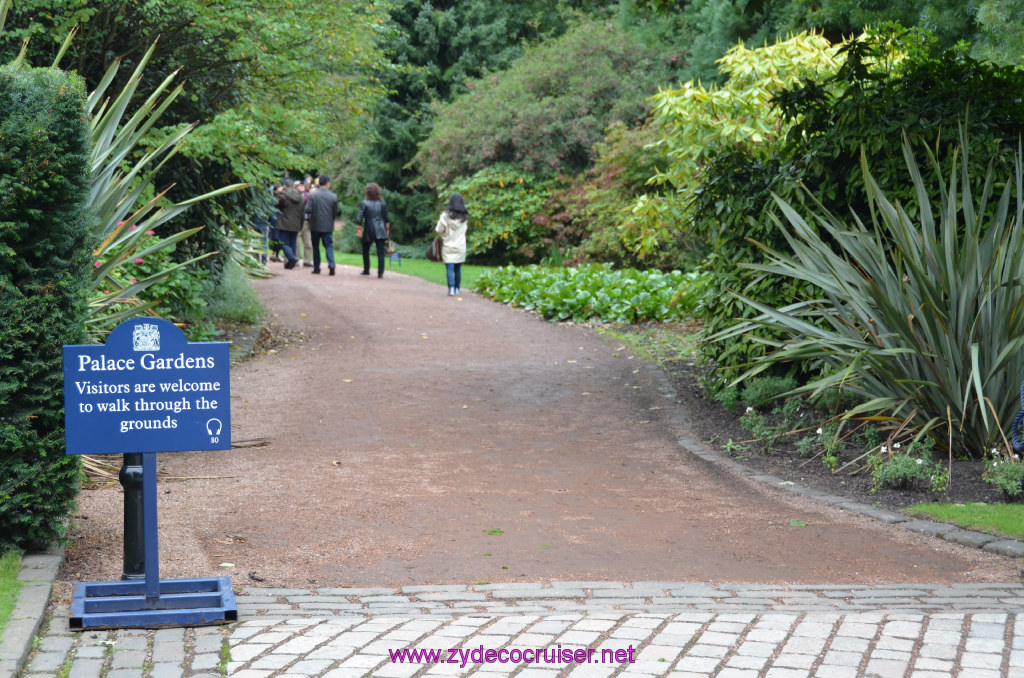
(125, 604)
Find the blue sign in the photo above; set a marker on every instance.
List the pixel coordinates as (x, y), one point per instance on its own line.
(148, 389)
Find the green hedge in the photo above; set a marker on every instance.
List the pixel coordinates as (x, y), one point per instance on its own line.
(44, 183)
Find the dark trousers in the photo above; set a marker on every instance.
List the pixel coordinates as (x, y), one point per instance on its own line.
(381, 243)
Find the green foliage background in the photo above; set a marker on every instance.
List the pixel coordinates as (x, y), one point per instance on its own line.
(44, 181)
(869, 103)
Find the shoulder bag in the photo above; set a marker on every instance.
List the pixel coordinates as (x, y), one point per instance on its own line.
(434, 251)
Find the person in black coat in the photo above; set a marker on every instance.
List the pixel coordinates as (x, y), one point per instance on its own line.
(322, 205)
(373, 227)
(289, 221)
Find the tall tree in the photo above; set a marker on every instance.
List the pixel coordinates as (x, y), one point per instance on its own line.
(439, 45)
(273, 84)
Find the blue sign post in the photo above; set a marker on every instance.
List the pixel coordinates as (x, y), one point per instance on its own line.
(148, 390)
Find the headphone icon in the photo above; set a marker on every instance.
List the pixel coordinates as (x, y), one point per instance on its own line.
(214, 424)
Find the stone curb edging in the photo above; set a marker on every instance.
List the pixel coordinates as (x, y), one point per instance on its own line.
(38, 572)
(676, 422)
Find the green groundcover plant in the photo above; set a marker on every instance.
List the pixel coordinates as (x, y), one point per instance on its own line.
(920, 317)
(593, 292)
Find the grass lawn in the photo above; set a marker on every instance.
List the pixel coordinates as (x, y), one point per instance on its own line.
(10, 565)
(421, 268)
(1001, 519)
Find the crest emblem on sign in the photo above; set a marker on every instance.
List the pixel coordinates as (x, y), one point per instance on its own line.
(146, 337)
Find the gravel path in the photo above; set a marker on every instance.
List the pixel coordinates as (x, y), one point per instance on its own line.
(414, 438)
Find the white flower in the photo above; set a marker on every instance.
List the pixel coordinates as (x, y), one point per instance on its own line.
(895, 446)
(819, 430)
(749, 410)
(995, 452)
(920, 461)
(884, 449)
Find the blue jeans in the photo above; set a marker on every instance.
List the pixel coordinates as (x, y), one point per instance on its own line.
(328, 240)
(287, 239)
(454, 272)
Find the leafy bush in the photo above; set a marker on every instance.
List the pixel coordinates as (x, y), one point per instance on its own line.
(886, 83)
(1005, 474)
(589, 218)
(917, 317)
(546, 112)
(234, 298)
(503, 203)
(764, 390)
(721, 146)
(593, 292)
(696, 123)
(44, 185)
(125, 202)
(878, 95)
(905, 471)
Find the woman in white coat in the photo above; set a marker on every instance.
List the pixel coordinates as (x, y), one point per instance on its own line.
(451, 226)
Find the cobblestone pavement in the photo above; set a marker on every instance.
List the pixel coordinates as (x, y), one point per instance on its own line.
(577, 629)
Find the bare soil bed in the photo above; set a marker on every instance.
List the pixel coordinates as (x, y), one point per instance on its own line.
(715, 425)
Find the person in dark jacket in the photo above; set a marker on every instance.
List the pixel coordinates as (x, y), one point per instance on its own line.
(289, 220)
(373, 227)
(322, 205)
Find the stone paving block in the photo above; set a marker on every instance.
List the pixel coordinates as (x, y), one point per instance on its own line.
(434, 589)
(747, 661)
(850, 644)
(165, 670)
(507, 585)
(776, 672)
(969, 538)
(833, 671)
(795, 661)
(274, 661)
(696, 664)
(168, 652)
(979, 660)
(536, 594)
(708, 650)
(86, 668)
(45, 662)
(397, 670)
(91, 651)
(125, 673)
(248, 651)
(202, 662)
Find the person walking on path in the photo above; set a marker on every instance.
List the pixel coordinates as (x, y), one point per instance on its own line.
(373, 227)
(308, 189)
(451, 226)
(289, 221)
(323, 210)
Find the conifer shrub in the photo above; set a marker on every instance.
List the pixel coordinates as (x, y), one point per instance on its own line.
(44, 183)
